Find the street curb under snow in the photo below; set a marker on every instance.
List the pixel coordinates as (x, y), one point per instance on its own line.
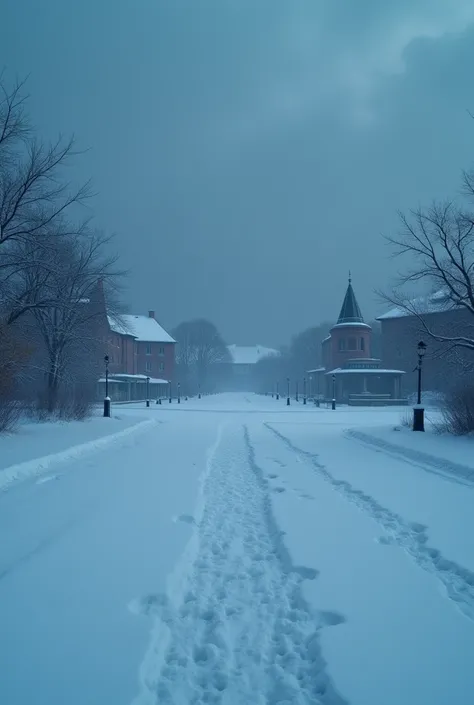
(31, 468)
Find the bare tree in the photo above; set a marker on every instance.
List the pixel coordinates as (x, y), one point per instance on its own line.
(439, 242)
(34, 196)
(67, 328)
(200, 349)
(14, 123)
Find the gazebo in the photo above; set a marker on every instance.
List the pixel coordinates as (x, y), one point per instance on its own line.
(349, 374)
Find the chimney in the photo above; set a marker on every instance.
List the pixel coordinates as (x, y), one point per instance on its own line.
(151, 314)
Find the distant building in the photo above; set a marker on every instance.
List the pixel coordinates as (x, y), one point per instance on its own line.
(349, 373)
(240, 370)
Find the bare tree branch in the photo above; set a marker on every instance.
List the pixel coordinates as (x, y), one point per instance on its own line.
(440, 244)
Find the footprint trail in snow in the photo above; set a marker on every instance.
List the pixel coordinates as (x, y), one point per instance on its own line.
(241, 631)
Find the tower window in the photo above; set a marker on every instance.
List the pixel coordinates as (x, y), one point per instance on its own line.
(362, 343)
(342, 344)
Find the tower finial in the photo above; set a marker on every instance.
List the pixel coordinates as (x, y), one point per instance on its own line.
(350, 277)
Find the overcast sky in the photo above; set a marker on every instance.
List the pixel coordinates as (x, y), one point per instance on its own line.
(248, 153)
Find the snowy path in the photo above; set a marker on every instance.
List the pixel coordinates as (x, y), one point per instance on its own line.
(457, 580)
(248, 554)
(241, 631)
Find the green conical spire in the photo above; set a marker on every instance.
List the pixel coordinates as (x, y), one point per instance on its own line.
(350, 311)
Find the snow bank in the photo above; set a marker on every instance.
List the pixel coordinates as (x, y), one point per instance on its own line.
(22, 471)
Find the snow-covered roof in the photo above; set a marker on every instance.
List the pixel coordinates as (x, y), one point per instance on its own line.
(134, 378)
(348, 324)
(376, 371)
(438, 302)
(249, 355)
(143, 328)
(318, 369)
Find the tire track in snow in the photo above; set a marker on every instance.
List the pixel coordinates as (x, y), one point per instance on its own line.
(452, 472)
(241, 632)
(457, 580)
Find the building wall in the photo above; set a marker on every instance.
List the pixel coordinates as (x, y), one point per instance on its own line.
(155, 359)
(355, 343)
(442, 365)
(121, 352)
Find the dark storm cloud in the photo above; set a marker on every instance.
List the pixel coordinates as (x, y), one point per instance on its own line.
(249, 153)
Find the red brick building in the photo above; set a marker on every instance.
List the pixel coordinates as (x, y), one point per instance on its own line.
(139, 345)
(349, 373)
(136, 345)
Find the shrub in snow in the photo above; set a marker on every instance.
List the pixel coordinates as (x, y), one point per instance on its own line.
(458, 409)
(406, 419)
(10, 413)
(14, 354)
(72, 402)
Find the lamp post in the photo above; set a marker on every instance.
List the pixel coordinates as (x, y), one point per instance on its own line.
(148, 391)
(333, 406)
(278, 391)
(170, 392)
(296, 389)
(288, 391)
(418, 411)
(179, 392)
(304, 390)
(107, 398)
(199, 388)
(318, 401)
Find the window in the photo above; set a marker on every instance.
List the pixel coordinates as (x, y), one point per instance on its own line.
(148, 349)
(342, 344)
(161, 351)
(162, 366)
(362, 343)
(352, 344)
(147, 366)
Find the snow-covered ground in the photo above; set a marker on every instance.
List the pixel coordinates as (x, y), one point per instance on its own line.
(232, 550)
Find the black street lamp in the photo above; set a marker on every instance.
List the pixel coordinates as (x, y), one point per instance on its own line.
(199, 388)
(278, 391)
(333, 406)
(107, 398)
(304, 390)
(288, 394)
(148, 391)
(418, 411)
(179, 392)
(296, 395)
(170, 392)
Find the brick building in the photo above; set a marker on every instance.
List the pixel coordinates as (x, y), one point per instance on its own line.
(349, 373)
(402, 330)
(139, 345)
